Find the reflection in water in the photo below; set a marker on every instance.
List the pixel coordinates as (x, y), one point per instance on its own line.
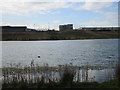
(102, 75)
(54, 74)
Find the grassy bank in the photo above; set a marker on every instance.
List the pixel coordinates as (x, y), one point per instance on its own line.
(62, 35)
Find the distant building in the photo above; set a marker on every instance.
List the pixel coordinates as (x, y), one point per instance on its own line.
(66, 27)
(13, 28)
(100, 28)
(29, 30)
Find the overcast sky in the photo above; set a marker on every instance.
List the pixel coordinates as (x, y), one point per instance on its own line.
(51, 14)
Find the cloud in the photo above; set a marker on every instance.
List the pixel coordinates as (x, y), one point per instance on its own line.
(56, 21)
(24, 7)
(111, 15)
(95, 5)
(108, 15)
(31, 7)
(60, 0)
(99, 23)
(98, 7)
(4, 23)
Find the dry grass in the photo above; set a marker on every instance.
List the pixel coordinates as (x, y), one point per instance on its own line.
(45, 76)
(118, 74)
(36, 73)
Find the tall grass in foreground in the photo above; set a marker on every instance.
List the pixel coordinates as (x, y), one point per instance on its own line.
(35, 75)
(118, 74)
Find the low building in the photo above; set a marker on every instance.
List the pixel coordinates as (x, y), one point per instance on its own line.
(13, 28)
(30, 30)
(100, 28)
(66, 27)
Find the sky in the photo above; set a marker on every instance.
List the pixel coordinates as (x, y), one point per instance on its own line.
(44, 15)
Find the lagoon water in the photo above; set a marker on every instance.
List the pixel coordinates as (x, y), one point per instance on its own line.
(102, 52)
(95, 52)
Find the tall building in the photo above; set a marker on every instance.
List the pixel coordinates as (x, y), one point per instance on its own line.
(66, 27)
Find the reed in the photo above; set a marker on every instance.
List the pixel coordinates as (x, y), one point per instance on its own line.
(16, 75)
(118, 74)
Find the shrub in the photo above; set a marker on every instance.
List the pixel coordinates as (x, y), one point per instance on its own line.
(67, 77)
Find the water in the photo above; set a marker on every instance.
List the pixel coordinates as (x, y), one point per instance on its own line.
(79, 52)
(94, 52)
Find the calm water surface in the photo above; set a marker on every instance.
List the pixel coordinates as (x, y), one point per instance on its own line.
(79, 52)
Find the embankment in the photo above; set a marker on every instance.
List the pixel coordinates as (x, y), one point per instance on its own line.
(59, 35)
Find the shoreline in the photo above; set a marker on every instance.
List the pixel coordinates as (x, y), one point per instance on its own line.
(54, 35)
(64, 39)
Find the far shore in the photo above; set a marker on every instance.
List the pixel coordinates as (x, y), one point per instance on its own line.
(55, 35)
(64, 40)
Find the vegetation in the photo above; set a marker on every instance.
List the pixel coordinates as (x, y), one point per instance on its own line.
(62, 35)
(118, 74)
(62, 76)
